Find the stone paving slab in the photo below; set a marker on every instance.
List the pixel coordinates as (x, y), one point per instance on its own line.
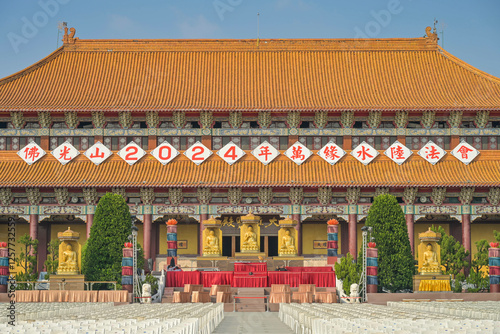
(251, 322)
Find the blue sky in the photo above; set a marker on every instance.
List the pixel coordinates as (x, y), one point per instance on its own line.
(471, 28)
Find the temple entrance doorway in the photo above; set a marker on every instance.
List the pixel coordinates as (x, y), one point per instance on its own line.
(227, 246)
(273, 245)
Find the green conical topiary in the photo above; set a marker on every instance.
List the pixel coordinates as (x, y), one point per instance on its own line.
(396, 265)
(102, 260)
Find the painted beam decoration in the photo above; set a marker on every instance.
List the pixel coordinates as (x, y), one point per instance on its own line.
(265, 153)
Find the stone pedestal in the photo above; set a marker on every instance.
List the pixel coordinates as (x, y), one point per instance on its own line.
(73, 282)
(418, 278)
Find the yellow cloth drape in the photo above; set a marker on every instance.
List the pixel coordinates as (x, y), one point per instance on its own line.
(434, 285)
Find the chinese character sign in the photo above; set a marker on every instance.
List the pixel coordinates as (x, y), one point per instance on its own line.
(231, 153)
(98, 153)
(265, 153)
(298, 153)
(431, 152)
(364, 153)
(465, 152)
(165, 153)
(65, 152)
(31, 153)
(131, 153)
(198, 153)
(398, 153)
(331, 152)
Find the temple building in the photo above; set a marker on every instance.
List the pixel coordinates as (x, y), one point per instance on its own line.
(349, 92)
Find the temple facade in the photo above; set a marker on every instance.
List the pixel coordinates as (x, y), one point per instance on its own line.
(249, 92)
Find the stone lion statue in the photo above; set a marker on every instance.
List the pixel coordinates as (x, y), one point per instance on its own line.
(354, 294)
(146, 292)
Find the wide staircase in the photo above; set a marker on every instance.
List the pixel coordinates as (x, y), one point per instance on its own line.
(252, 300)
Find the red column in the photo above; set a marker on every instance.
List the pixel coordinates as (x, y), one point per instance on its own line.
(147, 235)
(90, 220)
(409, 224)
(353, 235)
(298, 229)
(203, 217)
(466, 232)
(34, 226)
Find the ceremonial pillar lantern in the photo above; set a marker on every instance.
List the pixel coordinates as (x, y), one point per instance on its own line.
(171, 240)
(494, 264)
(4, 267)
(371, 268)
(128, 267)
(333, 240)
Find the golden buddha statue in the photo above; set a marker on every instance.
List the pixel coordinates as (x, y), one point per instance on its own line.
(287, 245)
(212, 244)
(68, 262)
(430, 262)
(250, 240)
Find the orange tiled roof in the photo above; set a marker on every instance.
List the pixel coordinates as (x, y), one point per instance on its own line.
(277, 75)
(249, 172)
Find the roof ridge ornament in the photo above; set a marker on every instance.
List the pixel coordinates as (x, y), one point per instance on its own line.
(432, 36)
(69, 38)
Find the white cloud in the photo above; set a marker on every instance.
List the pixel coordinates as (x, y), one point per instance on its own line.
(121, 23)
(197, 27)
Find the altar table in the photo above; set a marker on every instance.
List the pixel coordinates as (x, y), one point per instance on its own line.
(253, 267)
(284, 277)
(177, 279)
(250, 281)
(210, 278)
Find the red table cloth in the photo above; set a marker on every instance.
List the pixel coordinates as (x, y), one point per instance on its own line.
(210, 278)
(249, 281)
(321, 280)
(284, 277)
(310, 269)
(177, 279)
(253, 267)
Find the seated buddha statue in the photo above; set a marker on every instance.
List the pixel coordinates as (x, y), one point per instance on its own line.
(68, 261)
(287, 245)
(430, 263)
(250, 240)
(212, 244)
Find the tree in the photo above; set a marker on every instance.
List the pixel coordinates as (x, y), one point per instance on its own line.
(395, 261)
(480, 260)
(27, 260)
(52, 261)
(348, 272)
(453, 257)
(497, 235)
(109, 231)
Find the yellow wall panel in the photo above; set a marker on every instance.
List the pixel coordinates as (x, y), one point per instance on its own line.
(311, 232)
(482, 231)
(21, 229)
(188, 232)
